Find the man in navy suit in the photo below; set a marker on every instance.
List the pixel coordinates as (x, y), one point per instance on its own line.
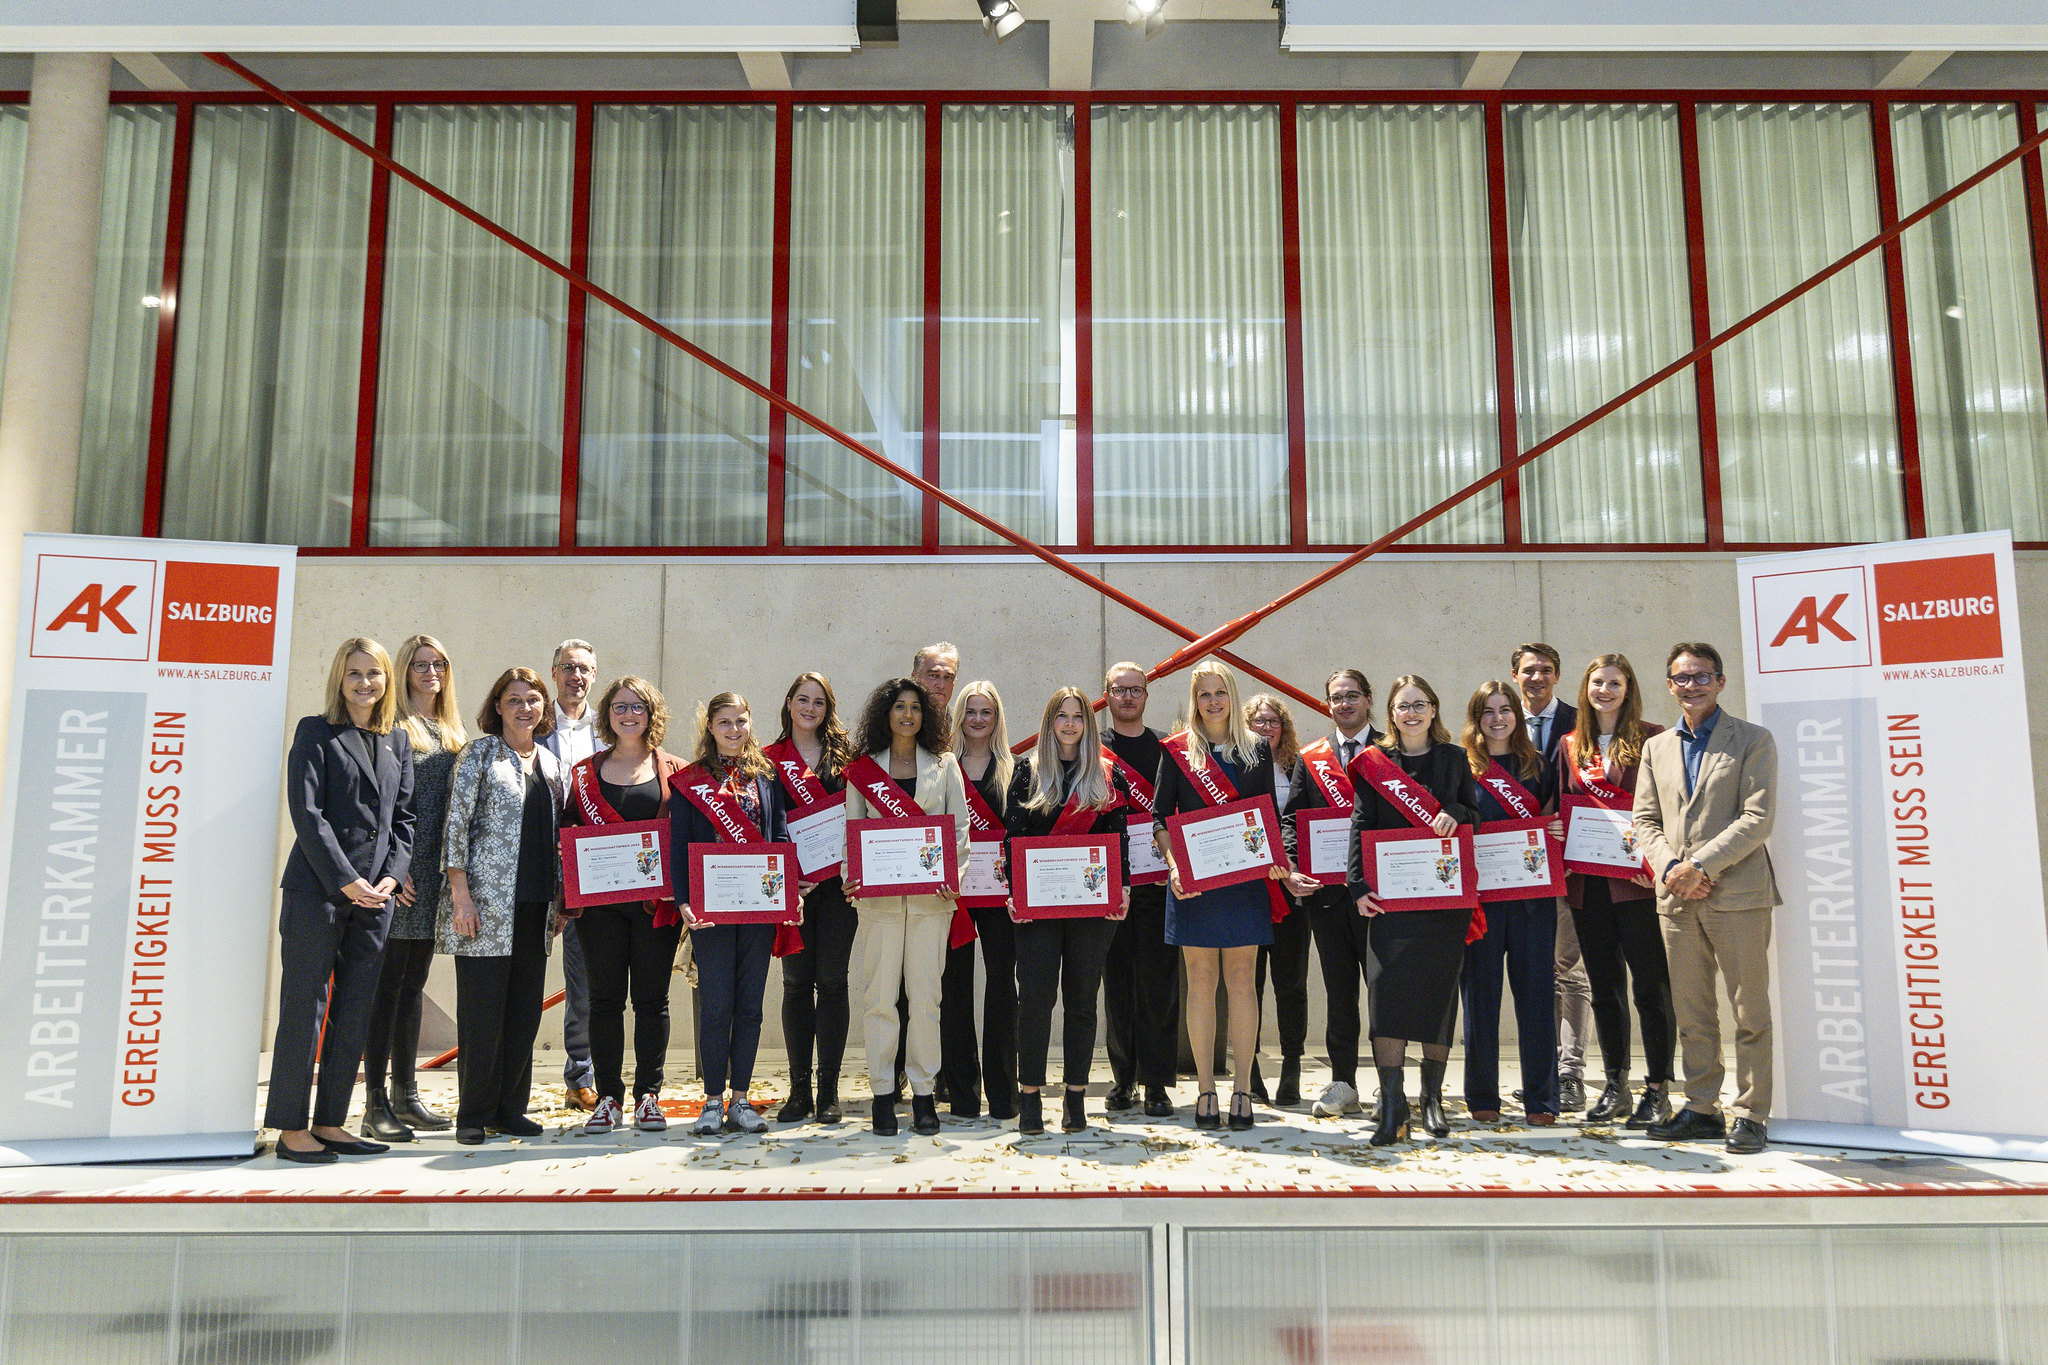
(1535, 666)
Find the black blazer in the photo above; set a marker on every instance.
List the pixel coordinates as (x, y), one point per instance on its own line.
(1445, 771)
(1311, 797)
(1177, 795)
(1025, 823)
(687, 825)
(353, 816)
(1562, 723)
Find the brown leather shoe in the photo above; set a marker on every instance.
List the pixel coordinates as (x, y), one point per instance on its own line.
(582, 1097)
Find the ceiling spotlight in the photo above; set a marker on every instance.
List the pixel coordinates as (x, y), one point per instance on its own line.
(1001, 15)
(1150, 13)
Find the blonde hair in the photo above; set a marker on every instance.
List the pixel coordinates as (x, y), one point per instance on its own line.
(753, 763)
(1049, 789)
(1243, 744)
(447, 712)
(1002, 764)
(385, 713)
(1391, 740)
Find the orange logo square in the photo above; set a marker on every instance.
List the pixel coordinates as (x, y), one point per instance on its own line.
(218, 614)
(1936, 610)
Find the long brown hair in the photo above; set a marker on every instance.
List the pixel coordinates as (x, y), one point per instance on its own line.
(1391, 740)
(832, 737)
(752, 763)
(1288, 748)
(1629, 731)
(1524, 755)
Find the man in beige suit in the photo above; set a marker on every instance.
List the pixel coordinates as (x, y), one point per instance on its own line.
(1704, 805)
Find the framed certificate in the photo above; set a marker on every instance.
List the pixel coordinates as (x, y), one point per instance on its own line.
(611, 864)
(1224, 845)
(1412, 870)
(744, 883)
(1067, 876)
(909, 855)
(1600, 842)
(1322, 845)
(1147, 867)
(985, 884)
(820, 838)
(1517, 860)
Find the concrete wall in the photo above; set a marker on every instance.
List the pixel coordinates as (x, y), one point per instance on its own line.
(699, 626)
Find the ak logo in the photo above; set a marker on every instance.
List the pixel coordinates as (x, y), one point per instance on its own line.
(89, 607)
(1811, 619)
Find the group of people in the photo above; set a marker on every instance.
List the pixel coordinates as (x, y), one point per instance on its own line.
(415, 837)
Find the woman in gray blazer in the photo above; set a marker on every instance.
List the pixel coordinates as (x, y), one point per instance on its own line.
(497, 911)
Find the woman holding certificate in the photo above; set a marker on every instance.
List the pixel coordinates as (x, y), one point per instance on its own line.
(1616, 915)
(1415, 778)
(903, 768)
(1514, 783)
(1066, 787)
(629, 947)
(808, 757)
(728, 796)
(987, 767)
(1217, 761)
(1287, 958)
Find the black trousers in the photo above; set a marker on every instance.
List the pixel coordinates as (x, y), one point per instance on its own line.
(1288, 959)
(627, 956)
(1059, 959)
(1340, 935)
(1141, 994)
(321, 940)
(394, 1039)
(575, 1009)
(995, 1070)
(497, 1014)
(732, 974)
(814, 1000)
(1623, 947)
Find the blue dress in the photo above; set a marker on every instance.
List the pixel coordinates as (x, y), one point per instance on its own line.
(1238, 916)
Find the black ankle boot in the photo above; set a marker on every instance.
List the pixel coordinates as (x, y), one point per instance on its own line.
(1613, 1102)
(1289, 1092)
(924, 1115)
(412, 1112)
(1074, 1117)
(1030, 1113)
(1393, 1124)
(828, 1100)
(1433, 1121)
(378, 1120)
(1259, 1085)
(885, 1115)
(798, 1108)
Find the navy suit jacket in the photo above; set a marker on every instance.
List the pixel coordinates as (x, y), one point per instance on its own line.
(1562, 722)
(687, 825)
(353, 816)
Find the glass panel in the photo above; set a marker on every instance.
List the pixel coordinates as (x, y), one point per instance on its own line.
(1946, 1309)
(1006, 302)
(13, 157)
(1974, 326)
(1397, 320)
(469, 420)
(682, 208)
(120, 368)
(1778, 1276)
(248, 1299)
(270, 329)
(442, 1296)
(103, 1299)
(605, 1297)
(1596, 232)
(1809, 440)
(1190, 355)
(856, 310)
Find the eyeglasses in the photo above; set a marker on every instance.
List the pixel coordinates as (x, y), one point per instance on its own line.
(629, 708)
(1264, 722)
(1128, 691)
(1413, 708)
(423, 667)
(1693, 679)
(1339, 698)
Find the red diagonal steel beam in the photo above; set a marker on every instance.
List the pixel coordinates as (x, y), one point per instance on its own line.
(1215, 640)
(586, 286)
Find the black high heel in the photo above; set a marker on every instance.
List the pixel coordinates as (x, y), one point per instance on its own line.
(1241, 1114)
(1206, 1115)
(1074, 1115)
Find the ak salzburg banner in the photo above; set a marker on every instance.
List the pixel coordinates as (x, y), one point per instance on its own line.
(1911, 951)
(139, 839)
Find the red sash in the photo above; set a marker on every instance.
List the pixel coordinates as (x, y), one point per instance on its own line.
(1142, 795)
(1594, 780)
(795, 775)
(697, 786)
(1512, 795)
(872, 780)
(595, 810)
(1074, 818)
(983, 827)
(1374, 768)
(1217, 790)
(1328, 773)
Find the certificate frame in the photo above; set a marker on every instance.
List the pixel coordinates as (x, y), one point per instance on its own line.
(947, 826)
(1554, 850)
(822, 811)
(572, 887)
(1305, 823)
(703, 854)
(1467, 895)
(1027, 909)
(1259, 806)
(1139, 827)
(984, 902)
(1612, 871)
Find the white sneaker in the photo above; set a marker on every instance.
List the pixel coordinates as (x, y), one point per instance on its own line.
(604, 1118)
(743, 1117)
(1337, 1100)
(711, 1120)
(647, 1115)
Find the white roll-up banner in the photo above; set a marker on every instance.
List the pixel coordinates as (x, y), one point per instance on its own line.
(138, 846)
(1911, 952)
